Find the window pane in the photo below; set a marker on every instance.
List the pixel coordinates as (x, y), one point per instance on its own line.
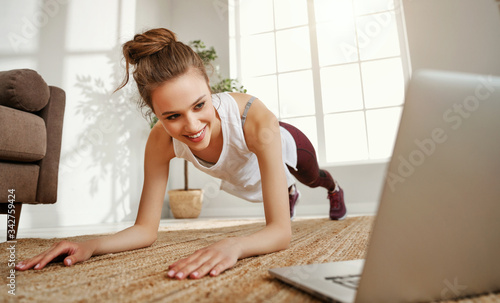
(266, 89)
(341, 88)
(293, 49)
(383, 83)
(256, 16)
(345, 137)
(290, 13)
(382, 129)
(258, 55)
(296, 94)
(307, 125)
(378, 36)
(363, 7)
(331, 10)
(361, 73)
(337, 42)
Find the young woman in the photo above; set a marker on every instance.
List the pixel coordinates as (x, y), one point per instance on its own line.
(231, 136)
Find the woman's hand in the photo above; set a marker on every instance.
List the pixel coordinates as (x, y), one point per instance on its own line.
(76, 252)
(211, 260)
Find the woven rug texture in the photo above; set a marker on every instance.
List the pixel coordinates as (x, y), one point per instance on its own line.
(141, 275)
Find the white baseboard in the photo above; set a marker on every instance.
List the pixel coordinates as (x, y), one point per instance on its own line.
(256, 210)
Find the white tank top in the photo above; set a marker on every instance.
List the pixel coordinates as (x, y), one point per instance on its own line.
(237, 166)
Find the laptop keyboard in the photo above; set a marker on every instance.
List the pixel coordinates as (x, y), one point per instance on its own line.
(350, 281)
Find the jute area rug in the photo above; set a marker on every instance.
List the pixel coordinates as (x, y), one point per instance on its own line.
(141, 275)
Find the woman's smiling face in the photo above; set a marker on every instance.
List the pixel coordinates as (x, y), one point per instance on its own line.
(184, 107)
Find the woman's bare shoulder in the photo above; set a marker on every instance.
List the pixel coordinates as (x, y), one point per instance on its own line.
(241, 99)
(160, 143)
(259, 119)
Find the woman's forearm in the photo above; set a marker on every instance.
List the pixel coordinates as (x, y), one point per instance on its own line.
(270, 239)
(131, 238)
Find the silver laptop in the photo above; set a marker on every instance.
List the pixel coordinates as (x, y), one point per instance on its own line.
(436, 235)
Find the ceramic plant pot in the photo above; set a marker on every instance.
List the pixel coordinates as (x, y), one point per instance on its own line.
(186, 204)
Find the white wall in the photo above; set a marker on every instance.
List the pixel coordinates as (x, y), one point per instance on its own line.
(457, 35)
(76, 45)
(206, 20)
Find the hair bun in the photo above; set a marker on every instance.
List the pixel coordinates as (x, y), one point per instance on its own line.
(155, 57)
(147, 44)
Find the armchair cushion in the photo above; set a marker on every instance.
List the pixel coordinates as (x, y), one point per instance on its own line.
(23, 136)
(23, 89)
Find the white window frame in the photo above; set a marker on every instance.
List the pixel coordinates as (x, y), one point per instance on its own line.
(235, 69)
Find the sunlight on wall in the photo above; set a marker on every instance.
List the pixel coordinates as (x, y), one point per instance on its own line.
(28, 18)
(14, 63)
(97, 149)
(97, 35)
(21, 41)
(76, 45)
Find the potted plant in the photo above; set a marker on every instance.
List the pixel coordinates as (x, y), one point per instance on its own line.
(187, 203)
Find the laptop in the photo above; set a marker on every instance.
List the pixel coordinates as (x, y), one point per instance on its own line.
(436, 235)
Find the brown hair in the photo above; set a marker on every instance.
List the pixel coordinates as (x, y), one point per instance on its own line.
(157, 56)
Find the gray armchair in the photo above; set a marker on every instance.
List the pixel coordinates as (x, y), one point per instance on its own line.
(31, 120)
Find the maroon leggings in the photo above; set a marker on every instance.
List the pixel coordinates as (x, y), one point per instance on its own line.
(308, 171)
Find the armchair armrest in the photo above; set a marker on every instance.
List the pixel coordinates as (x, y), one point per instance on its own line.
(53, 115)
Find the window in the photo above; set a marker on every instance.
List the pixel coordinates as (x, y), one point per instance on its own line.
(336, 69)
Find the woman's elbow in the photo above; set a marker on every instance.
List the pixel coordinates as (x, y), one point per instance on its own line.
(147, 236)
(285, 239)
(151, 240)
